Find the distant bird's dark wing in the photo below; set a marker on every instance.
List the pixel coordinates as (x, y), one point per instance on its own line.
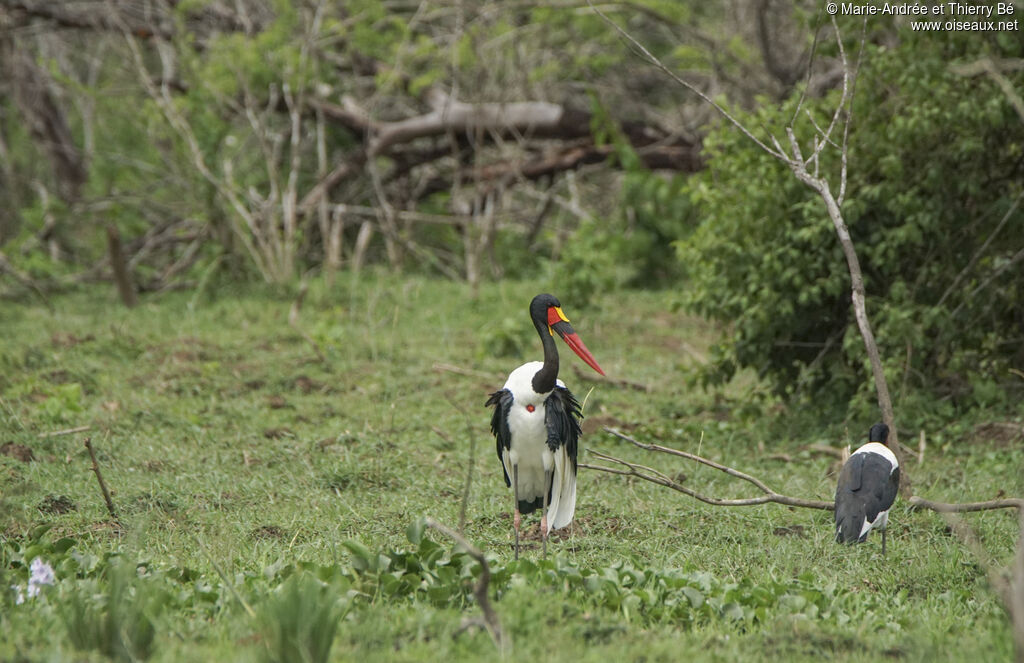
(562, 417)
(502, 400)
(849, 512)
(881, 482)
(867, 486)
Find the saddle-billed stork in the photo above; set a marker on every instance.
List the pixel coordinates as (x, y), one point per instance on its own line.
(536, 426)
(867, 488)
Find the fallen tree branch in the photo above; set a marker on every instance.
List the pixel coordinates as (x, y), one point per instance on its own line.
(490, 620)
(654, 476)
(943, 507)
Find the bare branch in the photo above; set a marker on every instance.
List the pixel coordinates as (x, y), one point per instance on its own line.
(650, 57)
(654, 476)
(943, 507)
(491, 620)
(99, 479)
(65, 431)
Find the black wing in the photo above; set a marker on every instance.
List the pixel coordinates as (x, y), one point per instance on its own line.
(867, 486)
(562, 417)
(884, 488)
(502, 400)
(849, 513)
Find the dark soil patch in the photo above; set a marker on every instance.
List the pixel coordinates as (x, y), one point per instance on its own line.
(269, 532)
(789, 530)
(56, 505)
(17, 451)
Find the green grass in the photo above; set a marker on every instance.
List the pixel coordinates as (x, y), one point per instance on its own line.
(238, 459)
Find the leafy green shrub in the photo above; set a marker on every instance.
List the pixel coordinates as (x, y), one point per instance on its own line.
(635, 246)
(299, 620)
(935, 169)
(115, 618)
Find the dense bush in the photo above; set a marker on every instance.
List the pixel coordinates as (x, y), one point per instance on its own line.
(936, 160)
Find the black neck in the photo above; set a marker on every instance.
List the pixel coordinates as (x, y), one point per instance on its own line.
(544, 379)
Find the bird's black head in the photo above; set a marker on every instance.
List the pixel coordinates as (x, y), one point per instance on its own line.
(540, 305)
(878, 433)
(549, 319)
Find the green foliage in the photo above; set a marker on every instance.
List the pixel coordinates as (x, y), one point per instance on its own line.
(114, 615)
(238, 460)
(642, 595)
(633, 248)
(934, 173)
(299, 620)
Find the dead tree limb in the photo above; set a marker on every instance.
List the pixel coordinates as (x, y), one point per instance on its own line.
(654, 476)
(491, 621)
(943, 507)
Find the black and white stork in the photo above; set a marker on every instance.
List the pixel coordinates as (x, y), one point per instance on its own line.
(536, 424)
(867, 488)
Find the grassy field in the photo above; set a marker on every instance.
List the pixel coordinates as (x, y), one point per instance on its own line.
(268, 484)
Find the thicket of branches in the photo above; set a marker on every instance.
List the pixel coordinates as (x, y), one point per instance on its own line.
(448, 136)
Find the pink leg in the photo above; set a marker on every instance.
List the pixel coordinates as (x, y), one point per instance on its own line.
(544, 514)
(517, 519)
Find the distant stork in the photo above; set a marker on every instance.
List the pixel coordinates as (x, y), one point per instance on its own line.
(867, 487)
(536, 426)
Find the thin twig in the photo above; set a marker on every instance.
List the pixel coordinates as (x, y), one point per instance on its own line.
(650, 57)
(491, 620)
(103, 484)
(467, 488)
(65, 431)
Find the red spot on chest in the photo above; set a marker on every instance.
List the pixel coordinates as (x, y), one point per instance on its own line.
(530, 408)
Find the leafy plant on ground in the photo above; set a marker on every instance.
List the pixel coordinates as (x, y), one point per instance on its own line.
(114, 615)
(299, 620)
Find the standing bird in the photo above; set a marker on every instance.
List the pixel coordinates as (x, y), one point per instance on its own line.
(536, 426)
(867, 487)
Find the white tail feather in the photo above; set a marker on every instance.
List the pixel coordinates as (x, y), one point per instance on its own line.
(563, 492)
